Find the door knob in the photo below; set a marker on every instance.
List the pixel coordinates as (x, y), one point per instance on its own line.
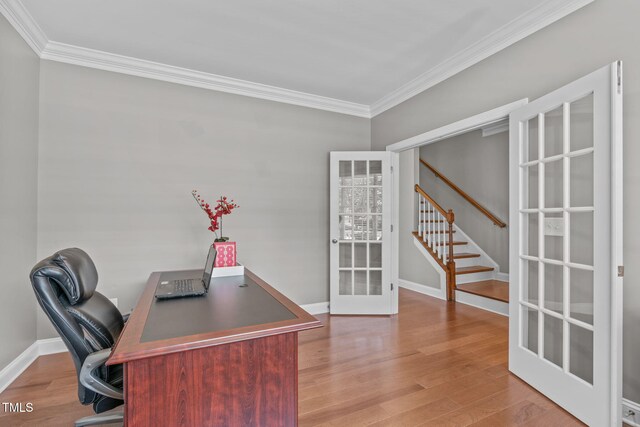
(334, 241)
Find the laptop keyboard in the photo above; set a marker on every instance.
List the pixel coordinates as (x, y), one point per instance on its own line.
(184, 285)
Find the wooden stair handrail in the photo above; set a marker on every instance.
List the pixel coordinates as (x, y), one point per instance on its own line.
(464, 195)
(435, 204)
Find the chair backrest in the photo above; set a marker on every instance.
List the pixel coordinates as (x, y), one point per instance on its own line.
(65, 286)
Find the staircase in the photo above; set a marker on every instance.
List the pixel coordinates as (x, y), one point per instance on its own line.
(467, 267)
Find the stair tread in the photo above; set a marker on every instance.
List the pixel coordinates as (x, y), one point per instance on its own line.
(455, 242)
(494, 289)
(419, 237)
(465, 255)
(473, 269)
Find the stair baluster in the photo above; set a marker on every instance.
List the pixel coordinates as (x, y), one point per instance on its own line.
(435, 228)
(430, 225)
(445, 239)
(420, 223)
(439, 237)
(428, 211)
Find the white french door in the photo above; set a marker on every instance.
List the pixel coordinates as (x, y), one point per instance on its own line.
(360, 255)
(566, 228)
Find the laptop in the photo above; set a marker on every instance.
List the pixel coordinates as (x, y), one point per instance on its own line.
(181, 288)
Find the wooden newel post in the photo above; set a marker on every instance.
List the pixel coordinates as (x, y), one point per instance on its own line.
(451, 264)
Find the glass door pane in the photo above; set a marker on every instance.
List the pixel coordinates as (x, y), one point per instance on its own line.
(557, 251)
(360, 193)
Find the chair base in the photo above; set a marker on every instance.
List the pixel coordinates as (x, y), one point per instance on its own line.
(110, 417)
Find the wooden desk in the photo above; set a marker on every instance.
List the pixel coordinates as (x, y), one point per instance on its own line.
(227, 359)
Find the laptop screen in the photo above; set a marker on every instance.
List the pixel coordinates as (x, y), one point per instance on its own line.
(208, 267)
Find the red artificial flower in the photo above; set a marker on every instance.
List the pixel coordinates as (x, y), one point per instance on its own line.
(223, 207)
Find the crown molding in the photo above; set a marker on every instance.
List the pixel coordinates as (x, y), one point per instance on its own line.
(519, 28)
(76, 55)
(24, 24)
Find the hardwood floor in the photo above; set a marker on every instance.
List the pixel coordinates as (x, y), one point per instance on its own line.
(436, 363)
(50, 384)
(494, 289)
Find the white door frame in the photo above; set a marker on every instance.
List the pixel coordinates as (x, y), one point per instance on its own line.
(457, 128)
(617, 252)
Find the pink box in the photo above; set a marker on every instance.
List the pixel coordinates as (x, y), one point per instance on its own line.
(226, 254)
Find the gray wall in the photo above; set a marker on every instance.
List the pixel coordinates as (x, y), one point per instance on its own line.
(480, 166)
(119, 156)
(588, 39)
(413, 266)
(19, 68)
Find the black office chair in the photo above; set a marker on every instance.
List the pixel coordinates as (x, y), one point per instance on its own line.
(89, 325)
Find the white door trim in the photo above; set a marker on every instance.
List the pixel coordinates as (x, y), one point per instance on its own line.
(461, 126)
(617, 252)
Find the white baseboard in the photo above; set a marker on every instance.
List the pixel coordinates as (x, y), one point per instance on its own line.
(488, 304)
(39, 348)
(423, 289)
(317, 308)
(503, 277)
(10, 372)
(51, 346)
(631, 412)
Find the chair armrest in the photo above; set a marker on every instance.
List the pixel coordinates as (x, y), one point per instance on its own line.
(89, 379)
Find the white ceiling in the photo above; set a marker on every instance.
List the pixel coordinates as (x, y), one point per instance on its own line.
(357, 51)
